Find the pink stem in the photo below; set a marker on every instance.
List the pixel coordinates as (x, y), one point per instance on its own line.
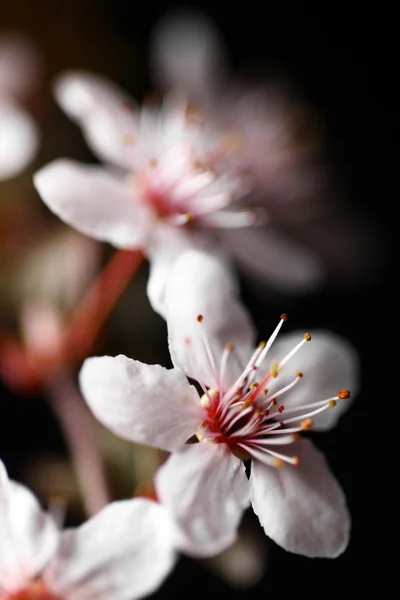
(77, 425)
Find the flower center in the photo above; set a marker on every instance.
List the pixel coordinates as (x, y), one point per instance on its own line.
(248, 417)
(33, 591)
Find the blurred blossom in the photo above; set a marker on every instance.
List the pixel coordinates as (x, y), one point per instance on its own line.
(238, 417)
(167, 187)
(20, 71)
(280, 149)
(43, 288)
(123, 552)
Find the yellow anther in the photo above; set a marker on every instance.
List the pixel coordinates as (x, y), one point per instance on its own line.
(307, 337)
(265, 391)
(204, 401)
(229, 346)
(128, 139)
(262, 344)
(332, 403)
(233, 141)
(306, 424)
(298, 374)
(278, 463)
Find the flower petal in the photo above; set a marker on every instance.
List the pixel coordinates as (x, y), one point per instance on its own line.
(28, 536)
(167, 244)
(201, 283)
(125, 551)
(206, 491)
(146, 404)
(328, 362)
(104, 111)
(19, 139)
(187, 53)
(303, 509)
(94, 202)
(270, 258)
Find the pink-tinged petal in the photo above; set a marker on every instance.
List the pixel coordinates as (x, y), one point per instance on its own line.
(205, 489)
(329, 363)
(187, 53)
(28, 536)
(125, 552)
(272, 259)
(167, 243)
(103, 110)
(19, 139)
(146, 404)
(201, 283)
(94, 202)
(303, 509)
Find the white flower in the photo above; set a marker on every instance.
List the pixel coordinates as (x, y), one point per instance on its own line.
(159, 192)
(282, 152)
(18, 133)
(124, 552)
(247, 409)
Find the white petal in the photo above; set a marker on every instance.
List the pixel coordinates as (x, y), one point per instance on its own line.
(329, 363)
(19, 139)
(187, 53)
(272, 259)
(146, 404)
(303, 509)
(104, 111)
(94, 202)
(167, 243)
(28, 536)
(206, 491)
(201, 283)
(124, 552)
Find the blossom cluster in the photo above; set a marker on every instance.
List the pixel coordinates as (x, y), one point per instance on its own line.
(193, 191)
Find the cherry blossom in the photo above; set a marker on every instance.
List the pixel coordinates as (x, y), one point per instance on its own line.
(282, 150)
(163, 187)
(123, 552)
(19, 69)
(247, 408)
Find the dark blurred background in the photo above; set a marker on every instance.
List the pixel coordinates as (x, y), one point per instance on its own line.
(334, 60)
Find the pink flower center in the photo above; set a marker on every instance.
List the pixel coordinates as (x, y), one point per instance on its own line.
(34, 591)
(247, 417)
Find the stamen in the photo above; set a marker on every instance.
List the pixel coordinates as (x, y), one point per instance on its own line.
(208, 349)
(225, 355)
(306, 424)
(179, 220)
(306, 338)
(287, 387)
(284, 317)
